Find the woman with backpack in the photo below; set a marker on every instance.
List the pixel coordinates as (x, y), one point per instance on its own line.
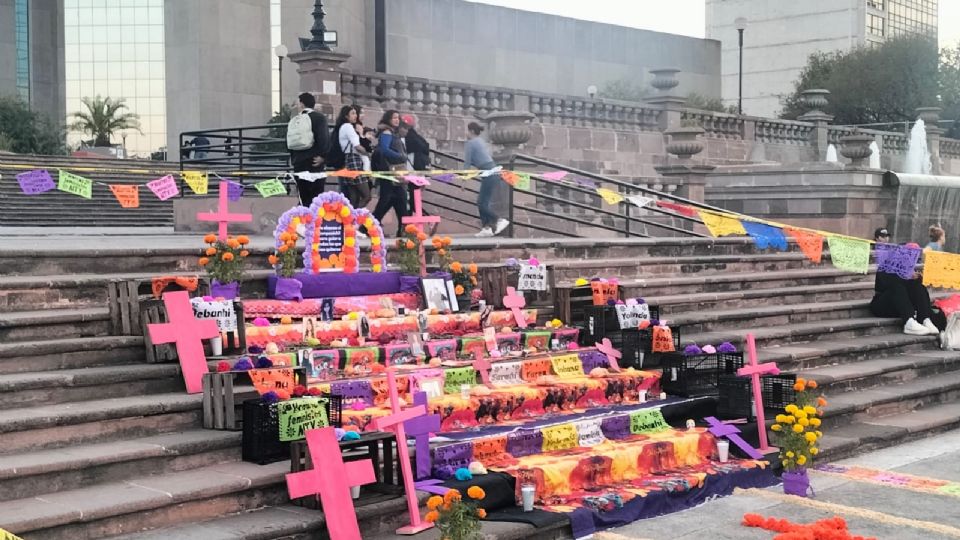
(391, 155)
(357, 190)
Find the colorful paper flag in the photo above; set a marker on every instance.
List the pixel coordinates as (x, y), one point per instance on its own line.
(234, 190)
(523, 181)
(678, 208)
(270, 188)
(554, 176)
(74, 184)
(900, 260)
(941, 269)
(609, 196)
(346, 173)
(850, 254)
(34, 182)
(586, 182)
(419, 181)
(720, 225)
(127, 195)
(765, 236)
(197, 180)
(509, 177)
(445, 178)
(164, 187)
(811, 243)
(640, 200)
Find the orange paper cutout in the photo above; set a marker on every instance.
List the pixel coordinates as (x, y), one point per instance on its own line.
(159, 284)
(346, 173)
(811, 243)
(510, 177)
(273, 379)
(128, 196)
(663, 339)
(604, 291)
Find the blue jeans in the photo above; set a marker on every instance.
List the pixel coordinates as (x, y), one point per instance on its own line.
(489, 187)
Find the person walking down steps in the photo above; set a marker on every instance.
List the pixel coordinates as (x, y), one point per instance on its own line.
(476, 155)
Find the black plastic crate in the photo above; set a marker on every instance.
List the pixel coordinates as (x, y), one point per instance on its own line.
(736, 394)
(637, 347)
(697, 375)
(601, 322)
(261, 442)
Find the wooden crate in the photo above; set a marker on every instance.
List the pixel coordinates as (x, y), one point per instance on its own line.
(153, 311)
(123, 301)
(378, 446)
(224, 394)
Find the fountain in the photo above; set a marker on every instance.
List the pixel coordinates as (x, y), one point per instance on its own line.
(831, 153)
(918, 156)
(874, 155)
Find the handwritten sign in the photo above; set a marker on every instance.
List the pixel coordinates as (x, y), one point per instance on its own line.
(630, 316)
(296, 416)
(270, 188)
(489, 449)
(220, 310)
(272, 379)
(604, 291)
(589, 432)
(127, 195)
(506, 373)
(524, 442)
(647, 421)
(198, 181)
(534, 369)
(164, 187)
(566, 366)
(34, 182)
(663, 339)
(532, 277)
(560, 437)
(455, 377)
(331, 238)
(75, 185)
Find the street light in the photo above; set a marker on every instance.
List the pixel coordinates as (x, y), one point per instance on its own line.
(740, 24)
(592, 91)
(281, 52)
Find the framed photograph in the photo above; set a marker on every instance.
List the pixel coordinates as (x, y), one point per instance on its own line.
(452, 294)
(436, 294)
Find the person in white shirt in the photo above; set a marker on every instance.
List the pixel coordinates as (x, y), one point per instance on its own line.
(357, 190)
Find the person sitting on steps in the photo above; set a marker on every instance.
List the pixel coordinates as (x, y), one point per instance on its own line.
(907, 299)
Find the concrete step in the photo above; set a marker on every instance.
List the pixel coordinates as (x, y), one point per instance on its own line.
(632, 267)
(61, 386)
(891, 399)
(833, 292)
(54, 426)
(883, 371)
(712, 320)
(828, 351)
(33, 473)
(739, 281)
(62, 323)
(797, 333)
(70, 353)
(146, 502)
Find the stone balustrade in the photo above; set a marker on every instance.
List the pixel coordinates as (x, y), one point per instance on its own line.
(716, 125)
(772, 131)
(592, 112)
(422, 95)
(948, 148)
(894, 143)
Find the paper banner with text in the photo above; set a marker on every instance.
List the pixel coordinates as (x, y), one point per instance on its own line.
(811, 243)
(647, 421)
(898, 260)
(272, 379)
(270, 188)
(560, 437)
(765, 236)
(453, 378)
(609, 196)
(941, 269)
(720, 225)
(198, 181)
(75, 185)
(567, 366)
(849, 254)
(127, 195)
(34, 182)
(629, 316)
(220, 310)
(532, 277)
(164, 187)
(296, 416)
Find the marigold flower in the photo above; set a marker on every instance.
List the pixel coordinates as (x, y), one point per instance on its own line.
(243, 239)
(821, 402)
(458, 289)
(244, 253)
(814, 450)
(790, 454)
(437, 242)
(789, 419)
(232, 243)
(473, 268)
(810, 437)
(810, 410)
(776, 427)
(801, 460)
(797, 428)
(791, 408)
(452, 496)
(284, 236)
(227, 256)
(782, 418)
(442, 252)
(204, 261)
(211, 251)
(815, 422)
(798, 386)
(273, 259)
(447, 240)
(210, 238)
(481, 513)
(410, 244)
(811, 384)
(456, 267)
(421, 236)
(432, 516)
(476, 492)
(283, 248)
(801, 381)
(803, 422)
(785, 463)
(410, 229)
(434, 502)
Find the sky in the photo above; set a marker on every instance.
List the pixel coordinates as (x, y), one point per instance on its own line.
(685, 17)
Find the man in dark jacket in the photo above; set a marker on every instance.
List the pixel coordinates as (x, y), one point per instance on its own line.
(311, 159)
(419, 149)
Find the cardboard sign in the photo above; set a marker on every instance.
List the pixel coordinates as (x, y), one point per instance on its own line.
(630, 316)
(506, 373)
(296, 416)
(532, 277)
(560, 437)
(489, 448)
(524, 442)
(589, 432)
(164, 187)
(455, 377)
(531, 370)
(604, 291)
(127, 195)
(220, 310)
(74, 184)
(34, 182)
(663, 339)
(566, 366)
(270, 188)
(647, 421)
(272, 379)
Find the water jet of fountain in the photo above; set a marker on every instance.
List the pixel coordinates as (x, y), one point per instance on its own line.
(918, 156)
(874, 155)
(831, 153)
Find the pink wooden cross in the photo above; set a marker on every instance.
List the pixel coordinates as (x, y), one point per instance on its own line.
(223, 215)
(395, 422)
(187, 332)
(606, 347)
(754, 371)
(516, 303)
(332, 479)
(482, 366)
(419, 220)
(420, 428)
(720, 429)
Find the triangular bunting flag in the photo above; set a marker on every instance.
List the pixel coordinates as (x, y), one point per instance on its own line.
(234, 190)
(678, 208)
(610, 196)
(523, 182)
(640, 200)
(765, 236)
(811, 243)
(127, 195)
(850, 254)
(198, 181)
(346, 173)
(510, 177)
(720, 225)
(554, 176)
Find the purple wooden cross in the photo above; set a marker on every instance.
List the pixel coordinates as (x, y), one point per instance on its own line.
(754, 371)
(719, 429)
(421, 427)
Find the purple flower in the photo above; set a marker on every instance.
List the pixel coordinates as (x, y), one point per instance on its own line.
(709, 349)
(261, 321)
(264, 362)
(611, 302)
(243, 364)
(726, 347)
(692, 350)
(255, 349)
(654, 322)
(512, 262)
(270, 397)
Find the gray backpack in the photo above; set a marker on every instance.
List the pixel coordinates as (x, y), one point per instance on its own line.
(300, 133)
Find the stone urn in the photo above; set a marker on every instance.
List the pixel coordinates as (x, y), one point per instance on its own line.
(509, 128)
(664, 79)
(930, 117)
(685, 142)
(856, 147)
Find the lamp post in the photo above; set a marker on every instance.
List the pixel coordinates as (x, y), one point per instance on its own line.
(281, 52)
(740, 24)
(319, 40)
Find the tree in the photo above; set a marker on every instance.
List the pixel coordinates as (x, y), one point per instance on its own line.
(28, 132)
(102, 118)
(697, 101)
(950, 89)
(623, 90)
(873, 84)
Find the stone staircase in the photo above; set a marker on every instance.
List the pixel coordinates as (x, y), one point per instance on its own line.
(97, 443)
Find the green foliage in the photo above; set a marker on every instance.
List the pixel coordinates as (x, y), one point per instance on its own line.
(281, 118)
(103, 117)
(623, 90)
(697, 101)
(28, 132)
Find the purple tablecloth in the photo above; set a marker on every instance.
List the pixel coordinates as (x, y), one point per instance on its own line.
(337, 284)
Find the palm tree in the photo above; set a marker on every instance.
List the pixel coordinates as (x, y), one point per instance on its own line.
(103, 117)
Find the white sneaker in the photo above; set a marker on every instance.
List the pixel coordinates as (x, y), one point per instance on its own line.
(931, 328)
(914, 328)
(484, 232)
(501, 225)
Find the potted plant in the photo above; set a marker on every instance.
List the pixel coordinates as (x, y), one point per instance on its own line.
(455, 518)
(284, 261)
(464, 282)
(224, 261)
(797, 433)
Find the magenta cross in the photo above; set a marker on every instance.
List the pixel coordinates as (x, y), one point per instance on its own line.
(419, 220)
(332, 479)
(754, 371)
(606, 347)
(420, 428)
(395, 422)
(187, 332)
(482, 366)
(719, 429)
(516, 303)
(223, 215)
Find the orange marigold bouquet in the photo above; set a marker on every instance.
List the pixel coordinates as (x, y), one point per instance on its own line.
(284, 259)
(442, 245)
(455, 518)
(224, 261)
(409, 246)
(464, 278)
